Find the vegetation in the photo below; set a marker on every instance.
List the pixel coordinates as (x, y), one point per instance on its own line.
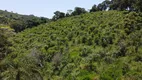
(20, 22)
(121, 5)
(103, 44)
(5, 33)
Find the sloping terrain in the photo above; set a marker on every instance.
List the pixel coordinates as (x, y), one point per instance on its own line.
(20, 22)
(105, 45)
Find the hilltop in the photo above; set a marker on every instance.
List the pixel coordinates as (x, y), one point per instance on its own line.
(105, 45)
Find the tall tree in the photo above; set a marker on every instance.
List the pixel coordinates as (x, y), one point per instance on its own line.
(69, 12)
(122, 5)
(78, 11)
(104, 5)
(94, 8)
(58, 15)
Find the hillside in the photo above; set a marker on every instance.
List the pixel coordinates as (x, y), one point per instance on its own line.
(20, 22)
(105, 45)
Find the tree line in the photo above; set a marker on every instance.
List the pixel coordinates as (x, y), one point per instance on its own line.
(121, 5)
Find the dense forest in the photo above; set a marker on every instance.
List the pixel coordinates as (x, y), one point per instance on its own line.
(104, 43)
(20, 22)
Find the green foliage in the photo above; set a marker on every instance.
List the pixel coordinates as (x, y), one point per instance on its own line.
(78, 11)
(101, 45)
(131, 5)
(20, 22)
(5, 34)
(58, 15)
(94, 8)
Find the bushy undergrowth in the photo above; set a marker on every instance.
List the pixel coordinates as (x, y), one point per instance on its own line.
(104, 45)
